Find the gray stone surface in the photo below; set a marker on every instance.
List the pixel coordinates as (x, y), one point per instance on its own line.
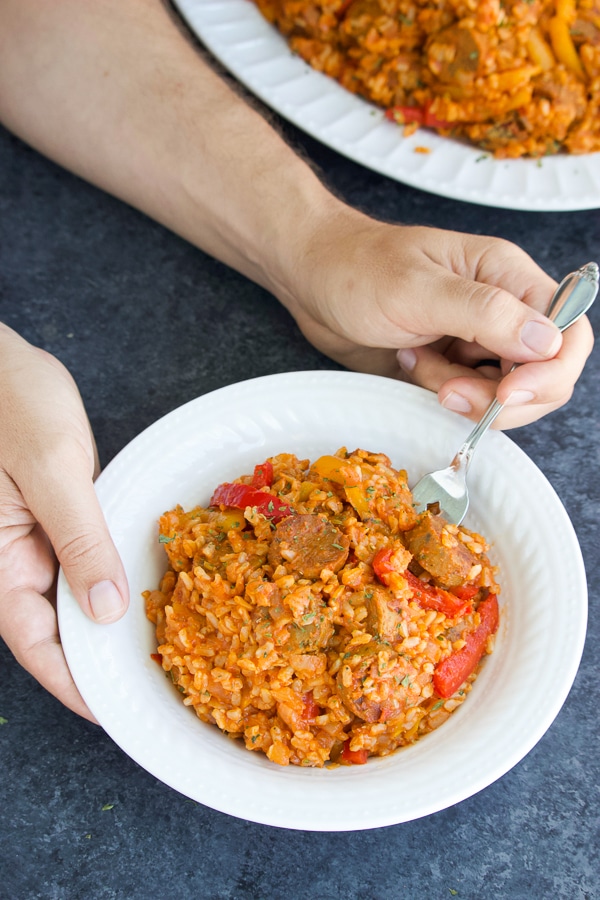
(145, 322)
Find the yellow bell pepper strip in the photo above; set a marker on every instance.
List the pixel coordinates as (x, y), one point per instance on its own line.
(565, 9)
(306, 489)
(539, 51)
(227, 520)
(563, 46)
(243, 495)
(337, 470)
(357, 498)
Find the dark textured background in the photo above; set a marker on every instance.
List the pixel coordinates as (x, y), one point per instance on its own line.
(146, 322)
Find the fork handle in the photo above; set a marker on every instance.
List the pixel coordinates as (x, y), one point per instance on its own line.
(464, 455)
(572, 298)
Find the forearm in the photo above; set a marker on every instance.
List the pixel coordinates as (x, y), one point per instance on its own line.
(113, 91)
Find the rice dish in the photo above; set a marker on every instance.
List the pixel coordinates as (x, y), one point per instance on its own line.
(515, 77)
(311, 613)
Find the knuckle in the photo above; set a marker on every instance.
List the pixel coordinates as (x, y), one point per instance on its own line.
(489, 310)
(81, 550)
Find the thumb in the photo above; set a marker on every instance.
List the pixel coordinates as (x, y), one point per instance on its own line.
(494, 318)
(65, 504)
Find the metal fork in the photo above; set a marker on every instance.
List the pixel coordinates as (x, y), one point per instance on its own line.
(446, 490)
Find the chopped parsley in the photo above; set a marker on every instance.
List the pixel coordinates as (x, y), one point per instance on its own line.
(165, 539)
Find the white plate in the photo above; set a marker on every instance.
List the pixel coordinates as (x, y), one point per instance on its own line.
(182, 457)
(244, 42)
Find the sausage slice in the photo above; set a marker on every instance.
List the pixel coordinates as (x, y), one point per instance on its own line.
(308, 544)
(449, 565)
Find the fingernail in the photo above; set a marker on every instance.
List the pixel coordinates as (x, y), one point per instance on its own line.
(457, 403)
(407, 359)
(516, 398)
(105, 601)
(541, 338)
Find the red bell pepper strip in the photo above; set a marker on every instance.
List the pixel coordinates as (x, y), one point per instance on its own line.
(455, 669)
(422, 115)
(263, 475)
(242, 495)
(406, 115)
(432, 121)
(466, 592)
(428, 596)
(382, 564)
(311, 709)
(356, 757)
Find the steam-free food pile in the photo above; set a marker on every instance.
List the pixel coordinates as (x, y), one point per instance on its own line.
(312, 613)
(516, 77)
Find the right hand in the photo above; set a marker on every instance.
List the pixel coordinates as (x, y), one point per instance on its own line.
(366, 290)
(49, 511)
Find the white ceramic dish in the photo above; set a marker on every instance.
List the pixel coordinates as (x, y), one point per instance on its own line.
(183, 456)
(240, 38)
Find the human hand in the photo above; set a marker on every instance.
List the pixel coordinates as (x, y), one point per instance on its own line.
(48, 506)
(446, 301)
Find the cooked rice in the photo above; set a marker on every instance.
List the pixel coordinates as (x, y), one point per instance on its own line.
(279, 630)
(516, 77)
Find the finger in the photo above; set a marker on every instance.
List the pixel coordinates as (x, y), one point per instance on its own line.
(432, 370)
(536, 388)
(532, 390)
(467, 354)
(59, 491)
(507, 265)
(471, 399)
(490, 316)
(359, 358)
(28, 626)
(545, 382)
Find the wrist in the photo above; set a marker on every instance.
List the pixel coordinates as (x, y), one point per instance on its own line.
(290, 252)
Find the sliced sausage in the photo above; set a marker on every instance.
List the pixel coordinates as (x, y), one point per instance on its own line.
(449, 565)
(308, 637)
(454, 54)
(382, 619)
(308, 544)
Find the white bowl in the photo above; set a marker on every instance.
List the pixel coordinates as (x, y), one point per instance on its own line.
(521, 688)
